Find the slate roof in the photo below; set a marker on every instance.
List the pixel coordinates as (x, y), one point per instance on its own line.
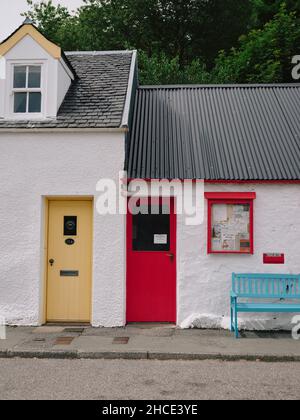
(216, 132)
(96, 98)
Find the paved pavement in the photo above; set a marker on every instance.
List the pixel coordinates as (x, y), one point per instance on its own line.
(160, 342)
(147, 380)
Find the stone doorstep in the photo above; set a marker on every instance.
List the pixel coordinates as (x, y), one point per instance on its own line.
(150, 326)
(74, 330)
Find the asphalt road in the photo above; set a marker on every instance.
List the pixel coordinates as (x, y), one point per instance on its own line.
(171, 380)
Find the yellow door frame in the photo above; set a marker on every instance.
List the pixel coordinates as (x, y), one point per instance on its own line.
(46, 201)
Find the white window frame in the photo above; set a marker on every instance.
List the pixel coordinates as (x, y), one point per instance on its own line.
(26, 115)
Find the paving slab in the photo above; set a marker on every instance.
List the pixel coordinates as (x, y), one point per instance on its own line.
(15, 336)
(48, 330)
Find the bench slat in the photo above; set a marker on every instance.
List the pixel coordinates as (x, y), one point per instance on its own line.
(263, 307)
(266, 286)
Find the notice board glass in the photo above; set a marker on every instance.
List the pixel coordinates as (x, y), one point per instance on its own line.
(231, 228)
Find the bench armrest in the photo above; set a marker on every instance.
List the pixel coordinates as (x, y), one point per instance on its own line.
(233, 295)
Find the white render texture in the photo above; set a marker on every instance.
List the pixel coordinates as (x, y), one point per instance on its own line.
(36, 165)
(204, 281)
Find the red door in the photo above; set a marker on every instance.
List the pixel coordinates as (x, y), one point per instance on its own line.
(151, 262)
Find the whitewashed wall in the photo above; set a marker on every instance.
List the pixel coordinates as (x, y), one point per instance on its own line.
(204, 281)
(35, 165)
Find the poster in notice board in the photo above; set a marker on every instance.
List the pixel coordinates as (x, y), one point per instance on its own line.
(231, 228)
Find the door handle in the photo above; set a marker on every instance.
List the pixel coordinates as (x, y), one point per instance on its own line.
(171, 256)
(51, 262)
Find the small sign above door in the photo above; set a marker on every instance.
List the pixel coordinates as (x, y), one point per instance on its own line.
(160, 239)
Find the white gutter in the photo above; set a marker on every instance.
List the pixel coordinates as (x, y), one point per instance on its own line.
(125, 118)
(64, 130)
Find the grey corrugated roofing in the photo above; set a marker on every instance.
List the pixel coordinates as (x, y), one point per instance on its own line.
(239, 132)
(96, 98)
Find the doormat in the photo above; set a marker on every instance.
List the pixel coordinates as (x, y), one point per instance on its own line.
(63, 341)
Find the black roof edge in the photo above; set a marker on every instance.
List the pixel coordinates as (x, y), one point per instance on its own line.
(64, 57)
(223, 86)
(69, 65)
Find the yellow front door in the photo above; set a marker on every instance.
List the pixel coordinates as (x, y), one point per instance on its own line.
(69, 261)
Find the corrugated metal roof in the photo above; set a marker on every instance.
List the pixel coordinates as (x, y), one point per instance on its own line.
(239, 132)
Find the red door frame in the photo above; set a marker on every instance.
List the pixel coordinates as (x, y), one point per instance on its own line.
(173, 250)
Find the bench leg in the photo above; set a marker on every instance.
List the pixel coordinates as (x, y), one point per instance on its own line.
(236, 325)
(231, 316)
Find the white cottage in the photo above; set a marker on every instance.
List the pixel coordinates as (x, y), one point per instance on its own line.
(70, 120)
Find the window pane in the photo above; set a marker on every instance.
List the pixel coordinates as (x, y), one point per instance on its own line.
(20, 102)
(19, 77)
(34, 77)
(151, 232)
(231, 228)
(35, 99)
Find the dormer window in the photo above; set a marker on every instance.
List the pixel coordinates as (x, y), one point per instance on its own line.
(27, 91)
(35, 76)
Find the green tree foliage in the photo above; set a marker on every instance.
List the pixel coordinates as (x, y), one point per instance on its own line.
(183, 41)
(184, 28)
(264, 55)
(161, 70)
(54, 21)
(265, 10)
(224, 21)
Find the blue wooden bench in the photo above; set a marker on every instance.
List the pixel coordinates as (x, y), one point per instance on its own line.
(263, 286)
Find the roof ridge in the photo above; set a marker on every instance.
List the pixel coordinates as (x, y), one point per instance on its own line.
(223, 86)
(99, 52)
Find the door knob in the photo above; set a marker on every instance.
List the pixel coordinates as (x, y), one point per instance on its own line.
(51, 262)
